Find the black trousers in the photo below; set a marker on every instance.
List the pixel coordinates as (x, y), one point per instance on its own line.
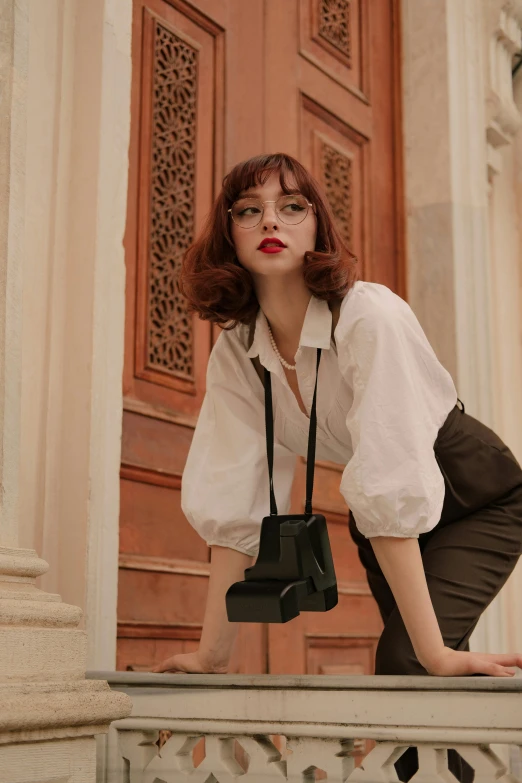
(467, 557)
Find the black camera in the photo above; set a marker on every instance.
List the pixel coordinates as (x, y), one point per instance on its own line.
(294, 572)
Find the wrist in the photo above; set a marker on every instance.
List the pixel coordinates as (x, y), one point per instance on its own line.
(212, 662)
(432, 662)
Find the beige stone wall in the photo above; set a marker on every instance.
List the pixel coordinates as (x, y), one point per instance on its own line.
(13, 81)
(78, 103)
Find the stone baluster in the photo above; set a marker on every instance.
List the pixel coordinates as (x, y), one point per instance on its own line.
(145, 763)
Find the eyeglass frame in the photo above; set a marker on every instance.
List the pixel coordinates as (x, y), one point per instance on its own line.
(269, 201)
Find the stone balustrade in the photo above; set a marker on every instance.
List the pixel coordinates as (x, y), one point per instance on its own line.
(310, 727)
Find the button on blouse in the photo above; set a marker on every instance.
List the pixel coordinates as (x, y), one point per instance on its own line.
(382, 396)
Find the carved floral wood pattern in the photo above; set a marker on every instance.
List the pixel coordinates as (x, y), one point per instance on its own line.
(336, 170)
(334, 25)
(173, 157)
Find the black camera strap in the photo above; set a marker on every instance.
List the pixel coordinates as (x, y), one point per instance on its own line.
(310, 460)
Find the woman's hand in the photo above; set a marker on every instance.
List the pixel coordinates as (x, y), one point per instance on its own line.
(454, 663)
(191, 663)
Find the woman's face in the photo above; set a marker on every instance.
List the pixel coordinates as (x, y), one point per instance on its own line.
(297, 238)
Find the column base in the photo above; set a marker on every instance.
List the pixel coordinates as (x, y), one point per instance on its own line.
(43, 691)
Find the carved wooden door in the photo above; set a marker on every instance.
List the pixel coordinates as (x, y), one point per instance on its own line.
(321, 84)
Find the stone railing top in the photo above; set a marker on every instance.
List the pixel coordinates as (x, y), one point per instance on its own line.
(308, 682)
(409, 709)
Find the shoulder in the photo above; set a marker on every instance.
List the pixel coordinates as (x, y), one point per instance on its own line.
(226, 349)
(370, 306)
(228, 362)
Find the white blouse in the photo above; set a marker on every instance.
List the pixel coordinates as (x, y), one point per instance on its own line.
(382, 396)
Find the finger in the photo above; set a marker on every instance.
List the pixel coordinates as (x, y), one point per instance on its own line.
(492, 669)
(499, 671)
(160, 668)
(506, 659)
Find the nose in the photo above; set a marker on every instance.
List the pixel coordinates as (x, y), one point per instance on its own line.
(270, 219)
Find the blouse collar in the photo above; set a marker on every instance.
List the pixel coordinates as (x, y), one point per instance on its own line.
(316, 332)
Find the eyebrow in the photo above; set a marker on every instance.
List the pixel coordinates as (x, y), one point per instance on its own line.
(256, 194)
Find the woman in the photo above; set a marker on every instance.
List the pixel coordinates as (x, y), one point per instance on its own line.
(435, 497)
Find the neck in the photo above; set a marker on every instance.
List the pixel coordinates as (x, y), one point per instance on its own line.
(285, 308)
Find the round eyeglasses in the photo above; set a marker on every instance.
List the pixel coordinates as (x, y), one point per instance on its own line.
(248, 212)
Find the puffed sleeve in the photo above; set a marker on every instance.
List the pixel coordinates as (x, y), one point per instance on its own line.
(402, 396)
(224, 487)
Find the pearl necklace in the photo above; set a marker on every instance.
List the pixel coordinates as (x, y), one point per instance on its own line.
(274, 346)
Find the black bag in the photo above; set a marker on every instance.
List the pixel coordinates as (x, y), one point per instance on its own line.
(294, 571)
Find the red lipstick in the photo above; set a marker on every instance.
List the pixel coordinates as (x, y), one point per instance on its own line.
(271, 245)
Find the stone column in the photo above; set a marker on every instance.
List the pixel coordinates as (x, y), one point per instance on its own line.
(503, 39)
(446, 197)
(459, 117)
(43, 692)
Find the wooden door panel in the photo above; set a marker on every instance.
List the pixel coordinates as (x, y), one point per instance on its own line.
(335, 99)
(161, 597)
(147, 443)
(152, 514)
(335, 38)
(339, 157)
(341, 656)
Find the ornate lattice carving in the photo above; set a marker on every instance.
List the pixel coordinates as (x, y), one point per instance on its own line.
(334, 24)
(333, 757)
(174, 762)
(337, 175)
(173, 153)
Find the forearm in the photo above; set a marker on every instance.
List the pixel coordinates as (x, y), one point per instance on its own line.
(218, 635)
(401, 563)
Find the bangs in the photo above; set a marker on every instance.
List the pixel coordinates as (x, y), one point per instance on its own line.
(256, 171)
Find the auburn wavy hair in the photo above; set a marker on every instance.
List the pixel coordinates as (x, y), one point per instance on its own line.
(211, 277)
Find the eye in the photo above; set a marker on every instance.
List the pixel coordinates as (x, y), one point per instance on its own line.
(293, 204)
(249, 211)
(246, 207)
